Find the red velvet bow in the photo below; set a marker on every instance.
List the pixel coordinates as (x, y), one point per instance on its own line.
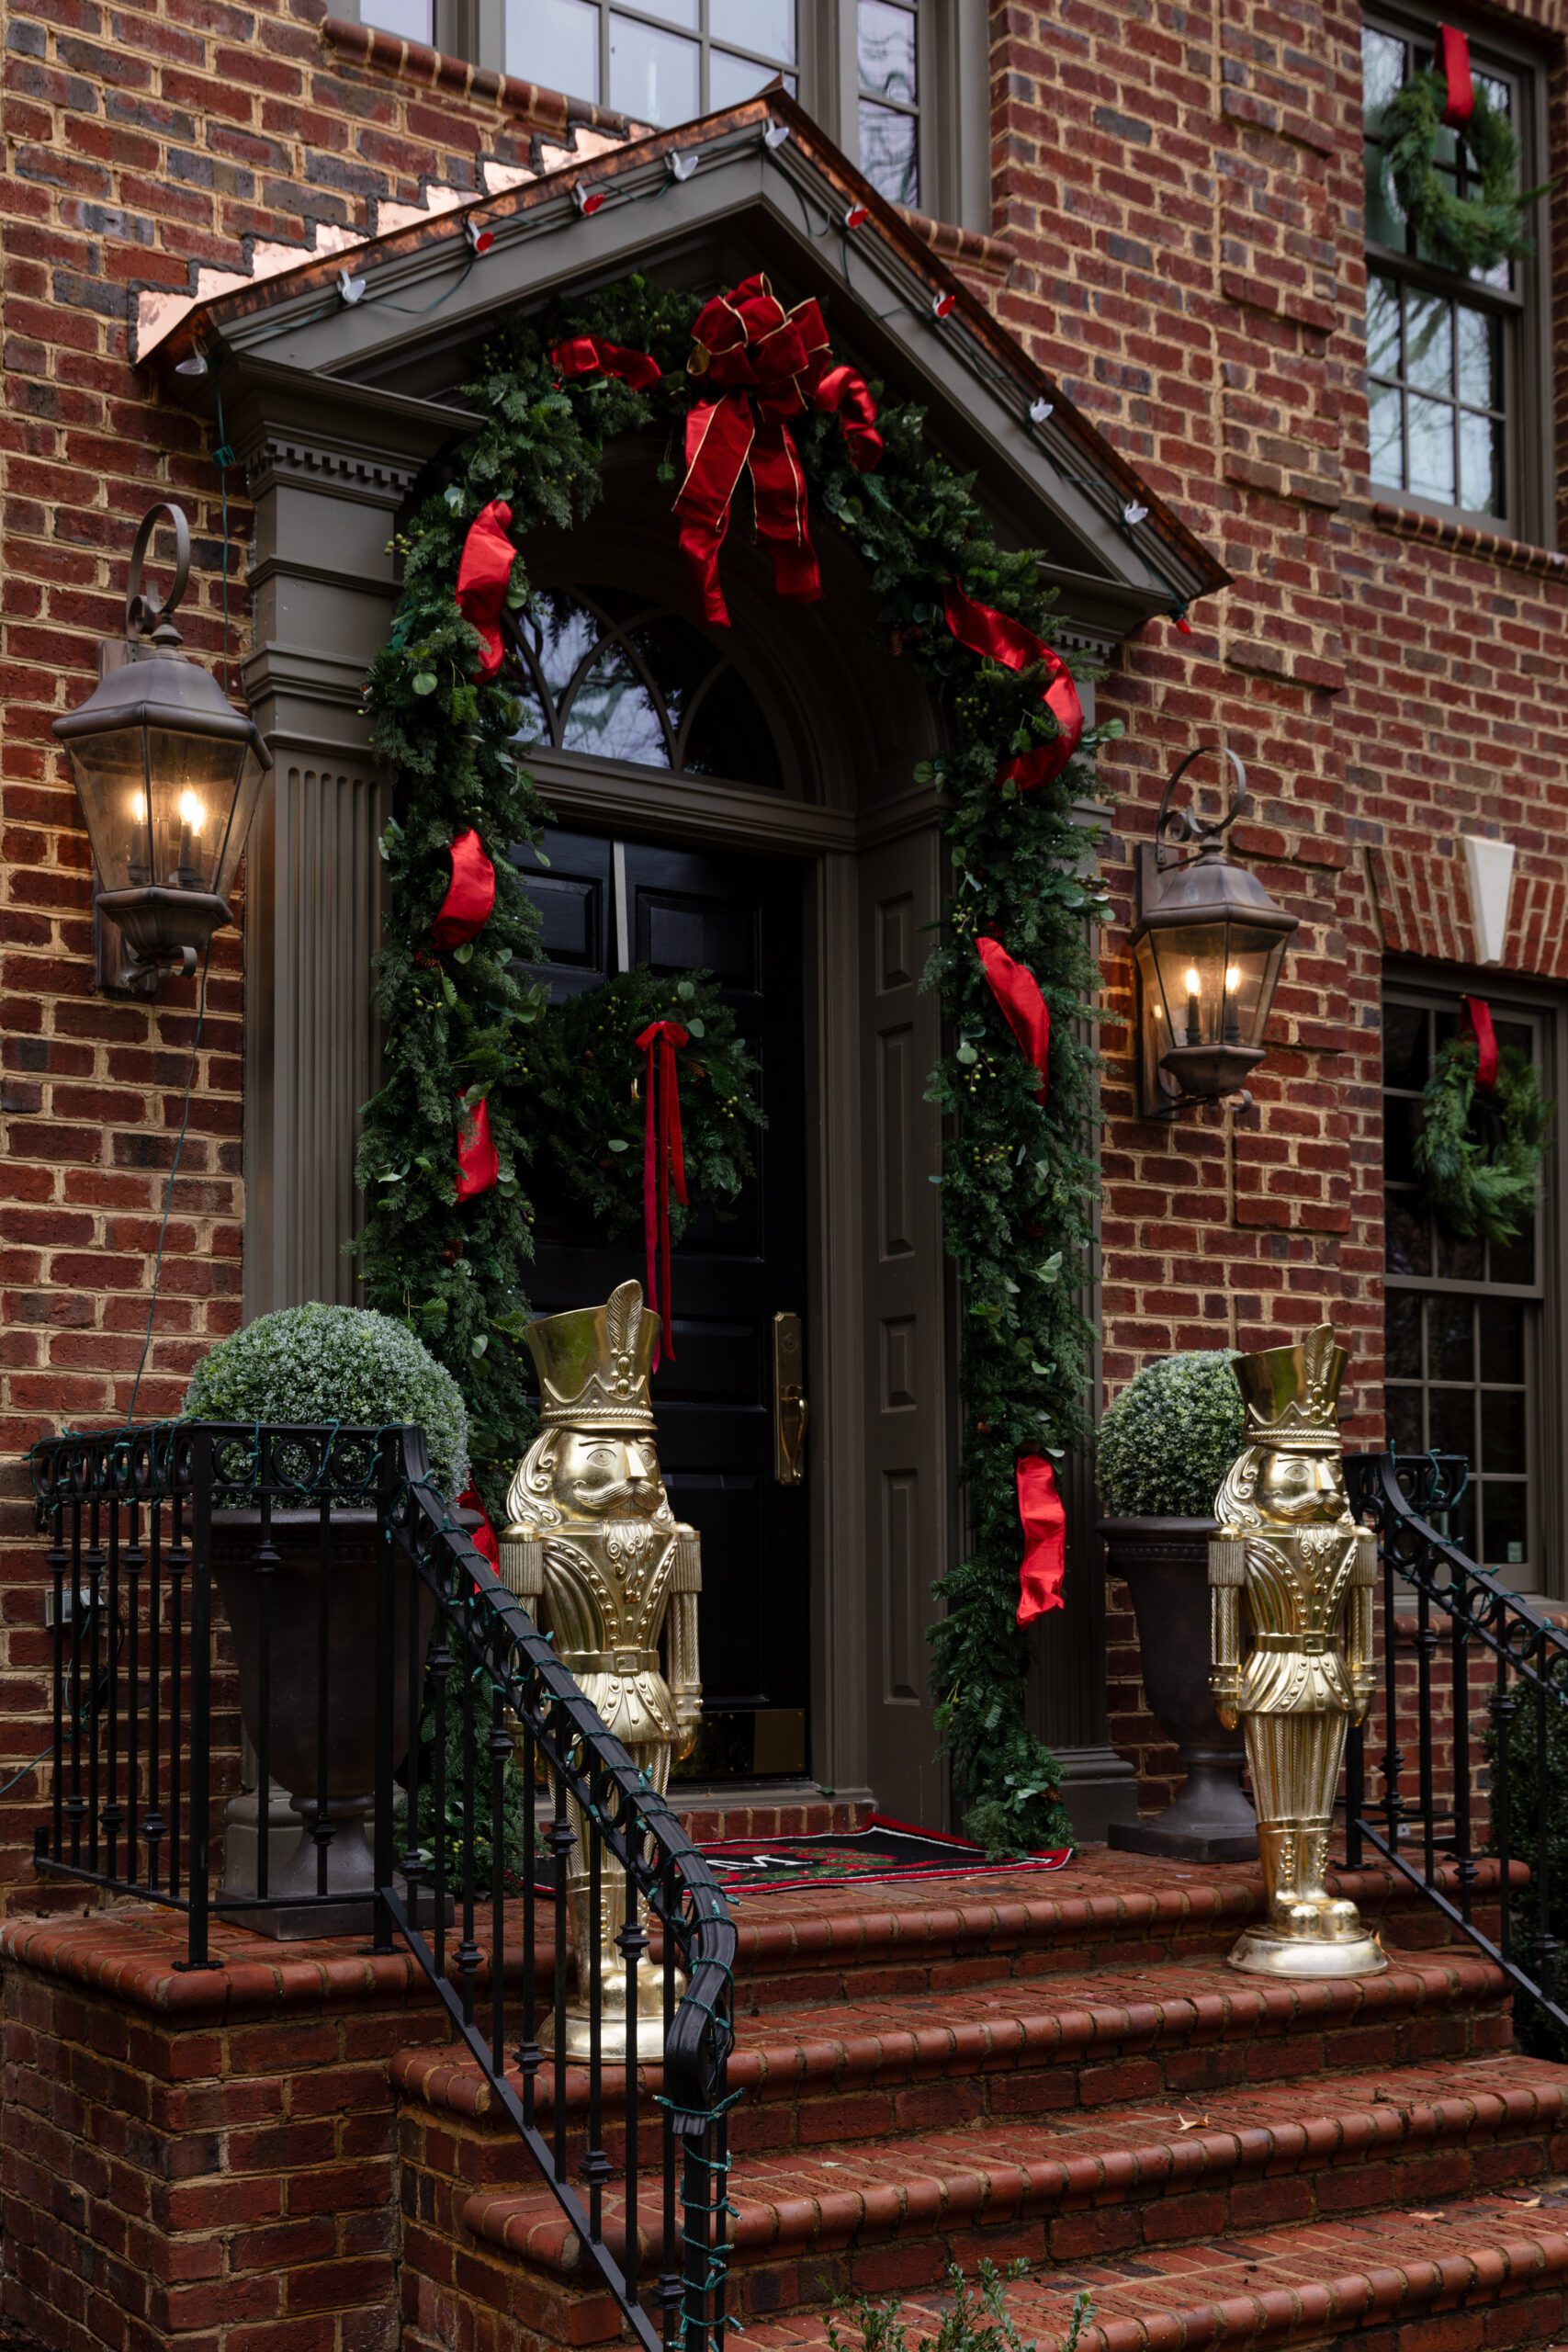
(663, 1163)
(1017, 990)
(768, 364)
(1480, 1013)
(997, 639)
(589, 354)
(483, 1536)
(1453, 64)
(484, 574)
(478, 1164)
(1045, 1525)
(470, 894)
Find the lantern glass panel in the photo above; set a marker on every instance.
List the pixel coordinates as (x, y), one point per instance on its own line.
(166, 806)
(111, 778)
(1214, 980)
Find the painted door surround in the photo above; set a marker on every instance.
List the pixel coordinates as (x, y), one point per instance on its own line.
(341, 413)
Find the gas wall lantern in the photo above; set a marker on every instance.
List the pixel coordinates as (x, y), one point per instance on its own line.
(1208, 946)
(168, 772)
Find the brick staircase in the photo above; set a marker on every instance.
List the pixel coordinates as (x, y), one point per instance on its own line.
(1061, 2070)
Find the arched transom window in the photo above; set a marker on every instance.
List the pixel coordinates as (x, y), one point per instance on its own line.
(605, 672)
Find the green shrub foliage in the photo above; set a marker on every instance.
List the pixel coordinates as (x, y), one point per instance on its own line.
(1168, 1440)
(335, 1363)
(1016, 1180)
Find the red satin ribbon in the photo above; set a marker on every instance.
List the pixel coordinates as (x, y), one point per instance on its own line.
(471, 895)
(589, 354)
(1017, 990)
(1480, 1013)
(1453, 64)
(484, 574)
(483, 1536)
(769, 364)
(997, 639)
(663, 1163)
(479, 1163)
(1045, 1525)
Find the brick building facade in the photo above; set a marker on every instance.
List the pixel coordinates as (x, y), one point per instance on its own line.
(1177, 236)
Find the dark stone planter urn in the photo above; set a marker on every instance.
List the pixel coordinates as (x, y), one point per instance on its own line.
(352, 1599)
(1164, 1563)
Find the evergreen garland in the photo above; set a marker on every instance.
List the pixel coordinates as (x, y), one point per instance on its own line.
(1481, 1183)
(1017, 1181)
(1458, 231)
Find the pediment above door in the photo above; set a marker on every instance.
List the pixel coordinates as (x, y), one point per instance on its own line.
(702, 205)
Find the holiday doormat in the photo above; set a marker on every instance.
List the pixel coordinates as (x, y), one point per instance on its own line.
(882, 1849)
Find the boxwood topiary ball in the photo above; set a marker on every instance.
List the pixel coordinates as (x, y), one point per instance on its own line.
(335, 1363)
(1168, 1440)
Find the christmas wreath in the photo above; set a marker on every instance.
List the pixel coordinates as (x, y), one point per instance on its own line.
(583, 1098)
(1479, 1155)
(1458, 232)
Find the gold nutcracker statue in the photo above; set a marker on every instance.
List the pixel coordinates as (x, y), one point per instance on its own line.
(593, 1547)
(1288, 1547)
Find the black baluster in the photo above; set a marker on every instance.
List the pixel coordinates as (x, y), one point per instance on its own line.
(200, 1696)
(530, 2057)
(500, 1752)
(75, 1803)
(152, 1820)
(176, 1563)
(59, 1562)
(266, 1567)
(1545, 1941)
(136, 1560)
(671, 2283)
(596, 2162)
(1392, 1757)
(389, 1584)
(88, 1632)
(634, 1942)
(468, 1954)
(1425, 1647)
(415, 1871)
(440, 1668)
(561, 1842)
(1459, 1651)
(114, 1814)
(323, 1825)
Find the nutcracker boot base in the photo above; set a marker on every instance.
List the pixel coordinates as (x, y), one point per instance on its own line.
(1294, 1761)
(1266, 1951)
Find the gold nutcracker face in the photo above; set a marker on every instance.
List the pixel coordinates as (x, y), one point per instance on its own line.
(1303, 1488)
(598, 1475)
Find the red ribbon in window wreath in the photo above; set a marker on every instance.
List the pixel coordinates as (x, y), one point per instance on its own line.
(484, 574)
(1486, 1038)
(981, 629)
(768, 365)
(663, 1165)
(1452, 61)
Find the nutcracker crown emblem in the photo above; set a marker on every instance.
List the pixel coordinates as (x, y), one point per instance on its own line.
(595, 1364)
(1292, 1395)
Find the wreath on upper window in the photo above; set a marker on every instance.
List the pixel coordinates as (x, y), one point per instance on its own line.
(1458, 232)
(583, 1093)
(1479, 1154)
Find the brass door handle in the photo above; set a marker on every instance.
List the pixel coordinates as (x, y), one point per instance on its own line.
(791, 1411)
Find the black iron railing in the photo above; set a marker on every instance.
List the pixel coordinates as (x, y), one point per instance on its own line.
(1455, 1796)
(370, 1632)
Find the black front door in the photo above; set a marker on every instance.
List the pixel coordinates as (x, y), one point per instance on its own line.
(606, 905)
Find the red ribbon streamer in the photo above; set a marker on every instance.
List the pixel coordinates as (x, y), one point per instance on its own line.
(484, 574)
(1480, 1013)
(997, 639)
(483, 1536)
(470, 894)
(1017, 990)
(663, 1163)
(768, 365)
(479, 1163)
(589, 354)
(1045, 1525)
(1453, 64)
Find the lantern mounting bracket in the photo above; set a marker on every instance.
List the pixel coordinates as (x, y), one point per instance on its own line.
(1177, 828)
(148, 616)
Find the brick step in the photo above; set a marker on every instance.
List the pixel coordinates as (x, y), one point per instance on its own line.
(865, 2217)
(1447, 2276)
(1000, 2052)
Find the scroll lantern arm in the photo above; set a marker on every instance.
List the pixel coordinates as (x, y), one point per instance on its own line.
(168, 773)
(1208, 946)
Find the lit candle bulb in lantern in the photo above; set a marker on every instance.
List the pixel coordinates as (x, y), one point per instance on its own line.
(139, 865)
(1194, 1023)
(193, 816)
(1233, 986)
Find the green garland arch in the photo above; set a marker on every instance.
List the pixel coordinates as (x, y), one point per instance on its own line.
(1017, 1181)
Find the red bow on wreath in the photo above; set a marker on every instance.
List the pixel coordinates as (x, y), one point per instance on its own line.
(590, 354)
(994, 637)
(769, 364)
(663, 1163)
(1486, 1038)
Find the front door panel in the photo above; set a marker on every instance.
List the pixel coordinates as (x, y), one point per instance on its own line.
(605, 904)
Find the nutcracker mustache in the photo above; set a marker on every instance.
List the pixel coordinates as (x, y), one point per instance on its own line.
(588, 1496)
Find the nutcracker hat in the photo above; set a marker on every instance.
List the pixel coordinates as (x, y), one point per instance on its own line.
(594, 1363)
(1292, 1395)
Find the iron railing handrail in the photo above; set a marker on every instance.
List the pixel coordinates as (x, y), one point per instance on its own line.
(1400, 1495)
(131, 1512)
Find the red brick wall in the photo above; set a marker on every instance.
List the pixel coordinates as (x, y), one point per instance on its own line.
(1181, 185)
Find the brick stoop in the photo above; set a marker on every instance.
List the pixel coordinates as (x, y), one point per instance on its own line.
(1059, 2071)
